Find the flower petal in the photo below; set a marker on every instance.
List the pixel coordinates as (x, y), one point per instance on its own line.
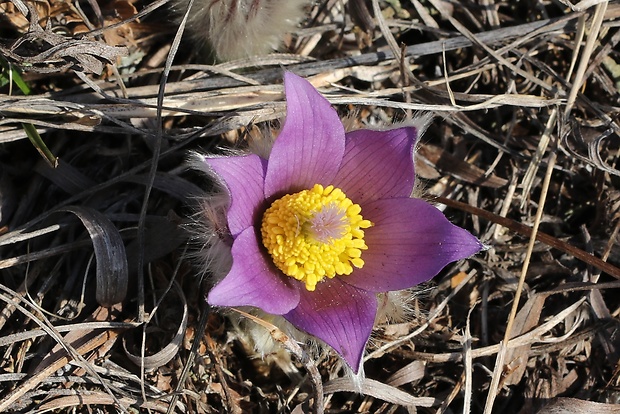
(310, 146)
(410, 242)
(243, 177)
(377, 164)
(340, 315)
(254, 281)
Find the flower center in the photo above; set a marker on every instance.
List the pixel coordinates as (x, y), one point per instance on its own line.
(314, 234)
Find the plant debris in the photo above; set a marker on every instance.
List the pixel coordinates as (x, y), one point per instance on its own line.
(102, 309)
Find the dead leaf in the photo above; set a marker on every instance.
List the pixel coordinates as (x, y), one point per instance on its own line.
(112, 269)
(409, 373)
(526, 319)
(378, 390)
(166, 354)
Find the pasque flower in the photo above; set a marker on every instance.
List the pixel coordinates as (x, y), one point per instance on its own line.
(326, 223)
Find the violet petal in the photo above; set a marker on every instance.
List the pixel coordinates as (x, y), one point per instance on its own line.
(377, 164)
(310, 146)
(410, 242)
(243, 177)
(254, 281)
(340, 315)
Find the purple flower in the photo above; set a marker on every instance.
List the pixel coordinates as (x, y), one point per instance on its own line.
(327, 223)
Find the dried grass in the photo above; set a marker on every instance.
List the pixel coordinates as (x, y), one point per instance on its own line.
(524, 153)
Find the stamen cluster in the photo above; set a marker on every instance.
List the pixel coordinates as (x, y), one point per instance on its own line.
(314, 234)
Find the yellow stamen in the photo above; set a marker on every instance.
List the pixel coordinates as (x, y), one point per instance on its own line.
(314, 234)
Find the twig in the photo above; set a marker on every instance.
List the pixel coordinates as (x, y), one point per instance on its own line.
(526, 231)
(499, 364)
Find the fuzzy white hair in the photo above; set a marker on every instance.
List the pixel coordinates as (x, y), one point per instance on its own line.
(238, 29)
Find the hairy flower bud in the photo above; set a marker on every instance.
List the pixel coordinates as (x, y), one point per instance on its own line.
(238, 29)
